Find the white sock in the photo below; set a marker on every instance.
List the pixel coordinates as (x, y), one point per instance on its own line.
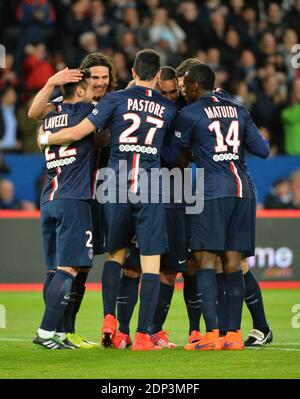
(61, 335)
(45, 334)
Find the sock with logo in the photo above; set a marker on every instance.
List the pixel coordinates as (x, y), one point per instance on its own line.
(110, 286)
(192, 301)
(127, 299)
(57, 298)
(163, 304)
(48, 279)
(254, 302)
(222, 304)
(208, 294)
(148, 301)
(235, 288)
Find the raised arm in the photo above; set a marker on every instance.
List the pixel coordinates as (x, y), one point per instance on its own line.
(40, 107)
(67, 135)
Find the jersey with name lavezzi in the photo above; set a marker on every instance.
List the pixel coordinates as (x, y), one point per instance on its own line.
(69, 168)
(218, 130)
(139, 119)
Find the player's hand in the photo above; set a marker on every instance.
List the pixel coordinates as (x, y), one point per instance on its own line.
(65, 76)
(41, 134)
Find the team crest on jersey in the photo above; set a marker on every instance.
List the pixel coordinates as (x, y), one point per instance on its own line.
(95, 112)
(91, 253)
(177, 134)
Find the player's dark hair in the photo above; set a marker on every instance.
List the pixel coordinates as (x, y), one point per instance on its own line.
(68, 90)
(185, 65)
(203, 75)
(146, 64)
(167, 73)
(99, 59)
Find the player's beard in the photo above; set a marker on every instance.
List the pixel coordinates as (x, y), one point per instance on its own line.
(99, 92)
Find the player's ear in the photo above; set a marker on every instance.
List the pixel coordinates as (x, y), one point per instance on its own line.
(134, 75)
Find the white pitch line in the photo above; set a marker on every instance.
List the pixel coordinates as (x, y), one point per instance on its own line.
(282, 349)
(14, 339)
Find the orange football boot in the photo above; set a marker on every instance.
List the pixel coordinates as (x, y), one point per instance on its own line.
(220, 344)
(195, 336)
(234, 340)
(121, 340)
(207, 342)
(109, 330)
(161, 339)
(143, 342)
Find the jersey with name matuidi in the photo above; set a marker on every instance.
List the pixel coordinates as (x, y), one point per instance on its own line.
(219, 131)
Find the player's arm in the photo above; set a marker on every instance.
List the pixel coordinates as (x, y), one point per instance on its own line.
(255, 143)
(67, 135)
(181, 139)
(40, 106)
(97, 119)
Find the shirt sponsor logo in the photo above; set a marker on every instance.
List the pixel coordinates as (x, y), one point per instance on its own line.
(60, 162)
(225, 157)
(138, 148)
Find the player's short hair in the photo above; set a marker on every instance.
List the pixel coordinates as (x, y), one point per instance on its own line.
(146, 64)
(99, 59)
(203, 75)
(68, 89)
(167, 73)
(185, 65)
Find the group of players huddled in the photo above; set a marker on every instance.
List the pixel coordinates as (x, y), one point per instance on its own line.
(164, 118)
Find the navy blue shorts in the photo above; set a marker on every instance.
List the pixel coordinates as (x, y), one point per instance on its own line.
(146, 221)
(97, 211)
(226, 224)
(175, 260)
(67, 233)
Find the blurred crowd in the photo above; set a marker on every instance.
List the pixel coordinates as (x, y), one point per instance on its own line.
(249, 44)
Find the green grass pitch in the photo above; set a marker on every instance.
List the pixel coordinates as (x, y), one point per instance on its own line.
(19, 358)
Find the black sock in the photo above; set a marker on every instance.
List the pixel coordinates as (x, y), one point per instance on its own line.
(254, 301)
(192, 302)
(207, 294)
(57, 299)
(222, 304)
(48, 279)
(163, 304)
(148, 300)
(235, 288)
(110, 286)
(78, 290)
(127, 299)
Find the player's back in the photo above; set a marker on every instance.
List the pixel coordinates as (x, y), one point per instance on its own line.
(69, 168)
(222, 131)
(139, 124)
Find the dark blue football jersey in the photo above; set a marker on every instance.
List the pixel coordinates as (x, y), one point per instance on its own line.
(138, 119)
(69, 168)
(219, 131)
